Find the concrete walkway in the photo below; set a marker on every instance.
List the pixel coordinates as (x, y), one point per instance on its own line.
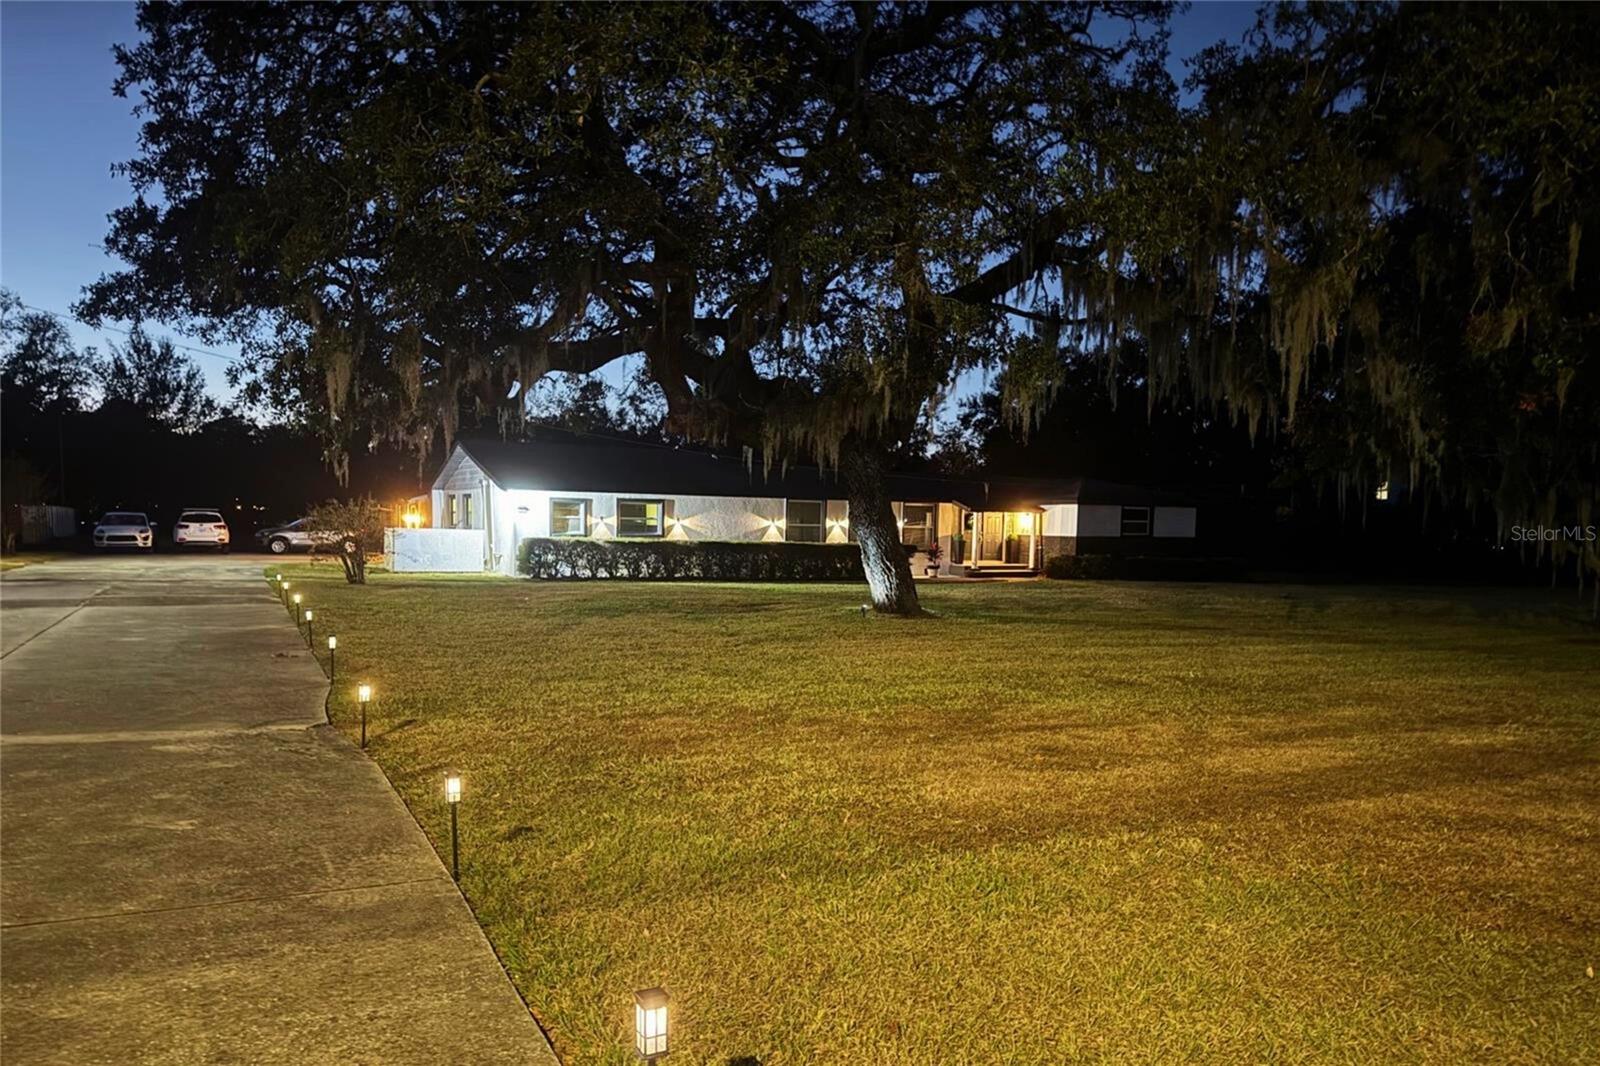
(194, 868)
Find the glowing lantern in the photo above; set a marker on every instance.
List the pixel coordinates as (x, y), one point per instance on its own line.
(650, 1023)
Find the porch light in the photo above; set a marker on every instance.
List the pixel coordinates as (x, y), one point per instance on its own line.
(1025, 522)
(650, 1023)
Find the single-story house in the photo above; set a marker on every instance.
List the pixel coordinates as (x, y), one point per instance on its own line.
(603, 488)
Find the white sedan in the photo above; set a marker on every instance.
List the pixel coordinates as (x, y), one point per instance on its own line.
(124, 529)
(201, 529)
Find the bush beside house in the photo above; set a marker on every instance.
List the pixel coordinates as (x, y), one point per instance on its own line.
(662, 560)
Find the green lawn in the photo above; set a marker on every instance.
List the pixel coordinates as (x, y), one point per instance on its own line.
(1058, 822)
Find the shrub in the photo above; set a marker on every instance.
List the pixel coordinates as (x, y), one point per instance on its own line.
(351, 530)
(702, 560)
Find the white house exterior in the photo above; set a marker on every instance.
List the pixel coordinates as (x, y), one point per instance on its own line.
(603, 489)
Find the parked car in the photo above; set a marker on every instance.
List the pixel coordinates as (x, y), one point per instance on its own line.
(124, 529)
(201, 529)
(294, 536)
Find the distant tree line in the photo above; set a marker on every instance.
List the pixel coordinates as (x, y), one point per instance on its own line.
(136, 428)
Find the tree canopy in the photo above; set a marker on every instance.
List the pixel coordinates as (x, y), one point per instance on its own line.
(806, 218)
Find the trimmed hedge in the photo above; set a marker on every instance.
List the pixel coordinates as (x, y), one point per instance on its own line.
(699, 560)
(1142, 568)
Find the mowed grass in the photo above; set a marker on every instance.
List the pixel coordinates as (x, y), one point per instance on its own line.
(1057, 822)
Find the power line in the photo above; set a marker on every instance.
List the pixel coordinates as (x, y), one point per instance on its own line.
(59, 317)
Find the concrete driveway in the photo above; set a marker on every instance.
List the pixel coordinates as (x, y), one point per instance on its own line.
(195, 868)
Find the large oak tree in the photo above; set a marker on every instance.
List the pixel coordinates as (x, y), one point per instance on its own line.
(804, 217)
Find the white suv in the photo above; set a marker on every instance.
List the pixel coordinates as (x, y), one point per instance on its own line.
(201, 529)
(124, 529)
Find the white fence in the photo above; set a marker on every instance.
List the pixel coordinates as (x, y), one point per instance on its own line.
(40, 523)
(436, 551)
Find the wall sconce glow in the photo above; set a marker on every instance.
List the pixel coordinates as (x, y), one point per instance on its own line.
(412, 519)
(650, 1023)
(1025, 522)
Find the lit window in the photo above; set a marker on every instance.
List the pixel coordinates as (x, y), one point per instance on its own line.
(450, 513)
(802, 521)
(466, 510)
(1383, 491)
(640, 518)
(1136, 521)
(917, 529)
(569, 518)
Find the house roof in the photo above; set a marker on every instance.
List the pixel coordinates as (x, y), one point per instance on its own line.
(598, 464)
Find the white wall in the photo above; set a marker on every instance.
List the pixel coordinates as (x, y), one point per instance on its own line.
(1173, 522)
(1061, 520)
(523, 513)
(439, 551)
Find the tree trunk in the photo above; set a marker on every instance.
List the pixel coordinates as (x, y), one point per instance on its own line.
(883, 557)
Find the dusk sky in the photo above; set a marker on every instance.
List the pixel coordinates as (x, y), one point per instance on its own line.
(63, 130)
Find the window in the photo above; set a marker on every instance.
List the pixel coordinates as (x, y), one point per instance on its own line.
(917, 527)
(1383, 491)
(1136, 521)
(802, 521)
(466, 510)
(569, 518)
(450, 513)
(641, 518)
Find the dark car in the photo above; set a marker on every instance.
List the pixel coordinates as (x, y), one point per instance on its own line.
(292, 536)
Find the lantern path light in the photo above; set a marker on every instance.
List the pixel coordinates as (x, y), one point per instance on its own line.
(650, 1023)
(333, 647)
(452, 796)
(364, 697)
(310, 640)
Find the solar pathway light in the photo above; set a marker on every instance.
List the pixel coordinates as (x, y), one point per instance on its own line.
(865, 607)
(333, 646)
(452, 796)
(650, 1023)
(309, 638)
(363, 697)
(283, 593)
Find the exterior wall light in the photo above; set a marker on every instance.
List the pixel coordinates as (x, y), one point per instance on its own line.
(452, 796)
(363, 697)
(650, 1023)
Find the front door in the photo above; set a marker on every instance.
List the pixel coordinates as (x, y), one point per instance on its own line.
(992, 537)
